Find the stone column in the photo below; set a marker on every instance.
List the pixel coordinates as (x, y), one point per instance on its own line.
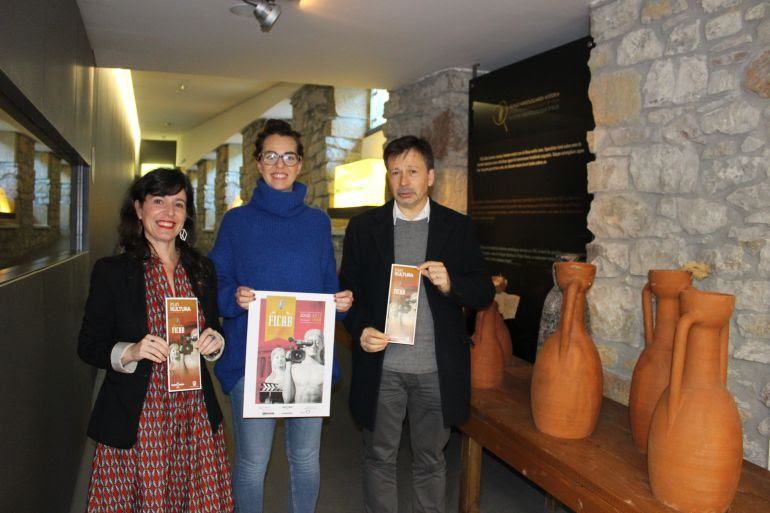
(25, 162)
(65, 180)
(54, 192)
(332, 121)
(682, 173)
(233, 174)
(206, 204)
(220, 182)
(249, 171)
(8, 169)
(41, 188)
(436, 108)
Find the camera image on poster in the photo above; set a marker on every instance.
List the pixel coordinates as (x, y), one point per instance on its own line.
(184, 367)
(289, 349)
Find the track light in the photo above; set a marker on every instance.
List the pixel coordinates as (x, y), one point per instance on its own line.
(266, 12)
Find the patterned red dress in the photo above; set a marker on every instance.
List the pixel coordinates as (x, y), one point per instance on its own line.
(177, 465)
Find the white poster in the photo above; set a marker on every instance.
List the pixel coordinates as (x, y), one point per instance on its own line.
(289, 354)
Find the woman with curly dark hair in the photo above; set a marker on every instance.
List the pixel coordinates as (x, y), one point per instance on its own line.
(156, 450)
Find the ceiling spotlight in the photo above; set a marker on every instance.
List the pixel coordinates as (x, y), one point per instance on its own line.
(265, 11)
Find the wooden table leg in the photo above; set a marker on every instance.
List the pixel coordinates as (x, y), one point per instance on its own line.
(470, 475)
(551, 504)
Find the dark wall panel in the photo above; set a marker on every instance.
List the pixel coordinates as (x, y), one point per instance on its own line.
(46, 388)
(45, 48)
(527, 173)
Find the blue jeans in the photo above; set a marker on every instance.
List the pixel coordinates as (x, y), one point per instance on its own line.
(253, 442)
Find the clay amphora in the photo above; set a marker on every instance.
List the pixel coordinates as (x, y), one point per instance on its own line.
(653, 367)
(695, 447)
(487, 363)
(501, 330)
(567, 376)
(503, 338)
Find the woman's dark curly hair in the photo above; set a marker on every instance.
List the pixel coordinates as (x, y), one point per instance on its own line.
(277, 127)
(131, 239)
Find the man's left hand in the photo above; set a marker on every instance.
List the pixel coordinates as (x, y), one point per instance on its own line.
(437, 274)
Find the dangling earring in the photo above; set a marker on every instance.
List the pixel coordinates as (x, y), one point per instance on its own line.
(183, 234)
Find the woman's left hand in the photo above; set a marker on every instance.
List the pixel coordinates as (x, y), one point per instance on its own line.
(209, 342)
(343, 300)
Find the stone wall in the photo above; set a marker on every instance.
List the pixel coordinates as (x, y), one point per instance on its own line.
(679, 91)
(436, 108)
(332, 122)
(249, 171)
(21, 236)
(206, 208)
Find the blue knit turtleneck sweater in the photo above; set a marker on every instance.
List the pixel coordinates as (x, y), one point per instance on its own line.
(274, 242)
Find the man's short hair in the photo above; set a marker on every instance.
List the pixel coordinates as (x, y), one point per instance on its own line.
(403, 144)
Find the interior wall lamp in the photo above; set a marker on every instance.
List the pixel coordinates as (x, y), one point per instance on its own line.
(265, 11)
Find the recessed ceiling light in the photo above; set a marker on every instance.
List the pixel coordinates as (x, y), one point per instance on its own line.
(182, 87)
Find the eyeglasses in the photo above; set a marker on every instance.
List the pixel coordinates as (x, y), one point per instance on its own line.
(290, 159)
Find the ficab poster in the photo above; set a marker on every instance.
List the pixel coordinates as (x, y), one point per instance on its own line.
(289, 354)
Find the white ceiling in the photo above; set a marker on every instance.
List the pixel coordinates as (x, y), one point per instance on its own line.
(225, 59)
(170, 104)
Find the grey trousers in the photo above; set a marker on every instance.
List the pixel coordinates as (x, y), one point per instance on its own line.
(418, 396)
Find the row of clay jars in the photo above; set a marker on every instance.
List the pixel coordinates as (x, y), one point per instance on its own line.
(695, 443)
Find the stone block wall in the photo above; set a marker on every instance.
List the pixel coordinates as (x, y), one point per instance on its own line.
(682, 173)
(436, 108)
(206, 202)
(249, 171)
(233, 174)
(332, 122)
(21, 236)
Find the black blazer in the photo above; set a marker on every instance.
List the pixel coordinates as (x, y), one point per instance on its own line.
(367, 255)
(116, 312)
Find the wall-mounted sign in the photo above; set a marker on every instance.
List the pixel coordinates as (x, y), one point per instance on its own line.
(527, 173)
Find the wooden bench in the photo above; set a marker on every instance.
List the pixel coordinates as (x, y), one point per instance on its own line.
(602, 473)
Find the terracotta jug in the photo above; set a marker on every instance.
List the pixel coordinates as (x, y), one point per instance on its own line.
(501, 330)
(567, 376)
(695, 446)
(504, 339)
(653, 367)
(487, 364)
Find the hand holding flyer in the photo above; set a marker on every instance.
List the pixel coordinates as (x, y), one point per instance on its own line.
(184, 370)
(403, 298)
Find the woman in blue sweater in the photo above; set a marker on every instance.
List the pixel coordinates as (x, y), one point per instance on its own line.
(274, 242)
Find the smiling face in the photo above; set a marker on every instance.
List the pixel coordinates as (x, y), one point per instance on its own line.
(279, 176)
(162, 217)
(409, 179)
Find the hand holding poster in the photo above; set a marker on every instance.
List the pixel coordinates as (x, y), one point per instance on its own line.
(289, 354)
(184, 363)
(403, 297)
